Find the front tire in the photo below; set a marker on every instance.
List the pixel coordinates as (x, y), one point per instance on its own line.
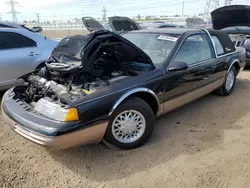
(131, 125)
(228, 86)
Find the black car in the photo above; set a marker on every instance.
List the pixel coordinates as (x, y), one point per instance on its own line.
(235, 21)
(104, 86)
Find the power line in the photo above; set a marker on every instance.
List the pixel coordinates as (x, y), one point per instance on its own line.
(104, 15)
(228, 2)
(149, 3)
(13, 11)
(210, 5)
(38, 17)
(182, 12)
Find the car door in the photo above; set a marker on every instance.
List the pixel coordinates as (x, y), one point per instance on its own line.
(17, 56)
(184, 86)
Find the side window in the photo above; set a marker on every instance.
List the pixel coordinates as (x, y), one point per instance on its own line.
(29, 42)
(195, 49)
(218, 46)
(9, 40)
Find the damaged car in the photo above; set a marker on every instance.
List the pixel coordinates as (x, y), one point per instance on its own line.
(234, 20)
(116, 24)
(110, 88)
(122, 24)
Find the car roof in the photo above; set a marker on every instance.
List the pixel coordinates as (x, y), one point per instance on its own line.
(21, 31)
(224, 39)
(11, 24)
(179, 31)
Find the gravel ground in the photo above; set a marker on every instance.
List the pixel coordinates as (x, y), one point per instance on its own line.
(203, 144)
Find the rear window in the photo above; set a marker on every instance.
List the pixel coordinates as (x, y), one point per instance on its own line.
(218, 46)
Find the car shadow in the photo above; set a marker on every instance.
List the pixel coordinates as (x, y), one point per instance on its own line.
(194, 128)
(1, 95)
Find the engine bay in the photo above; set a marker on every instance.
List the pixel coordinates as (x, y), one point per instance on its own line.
(81, 65)
(59, 86)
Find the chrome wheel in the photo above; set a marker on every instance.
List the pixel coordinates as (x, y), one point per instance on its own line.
(128, 126)
(230, 80)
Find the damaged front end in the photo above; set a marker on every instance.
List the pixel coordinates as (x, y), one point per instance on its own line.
(80, 66)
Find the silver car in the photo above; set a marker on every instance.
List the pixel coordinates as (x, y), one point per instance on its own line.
(21, 52)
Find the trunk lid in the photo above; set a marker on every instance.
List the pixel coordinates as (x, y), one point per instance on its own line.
(118, 24)
(123, 24)
(92, 24)
(229, 16)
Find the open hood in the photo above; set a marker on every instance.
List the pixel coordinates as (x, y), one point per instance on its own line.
(120, 24)
(228, 16)
(92, 24)
(82, 51)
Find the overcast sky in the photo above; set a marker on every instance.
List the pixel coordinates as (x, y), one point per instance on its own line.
(69, 9)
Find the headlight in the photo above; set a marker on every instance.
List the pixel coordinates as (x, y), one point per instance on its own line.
(55, 111)
(247, 42)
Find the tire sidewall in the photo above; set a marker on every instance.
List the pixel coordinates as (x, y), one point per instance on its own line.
(225, 91)
(140, 106)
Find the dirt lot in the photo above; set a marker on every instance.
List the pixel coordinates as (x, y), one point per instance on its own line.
(204, 144)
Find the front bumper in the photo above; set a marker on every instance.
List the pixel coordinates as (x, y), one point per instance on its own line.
(21, 124)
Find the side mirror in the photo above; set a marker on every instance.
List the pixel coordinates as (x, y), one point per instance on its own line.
(177, 66)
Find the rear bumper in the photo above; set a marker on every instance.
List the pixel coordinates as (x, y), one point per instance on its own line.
(93, 133)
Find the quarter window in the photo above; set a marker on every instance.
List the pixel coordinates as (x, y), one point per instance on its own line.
(9, 40)
(218, 46)
(194, 49)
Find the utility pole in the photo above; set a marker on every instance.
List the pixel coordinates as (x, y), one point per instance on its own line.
(210, 5)
(183, 8)
(228, 2)
(38, 17)
(104, 14)
(13, 11)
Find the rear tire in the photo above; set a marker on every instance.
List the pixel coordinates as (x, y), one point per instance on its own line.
(131, 125)
(228, 86)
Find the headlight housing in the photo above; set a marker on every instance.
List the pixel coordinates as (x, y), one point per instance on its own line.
(55, 111)
(247, 42)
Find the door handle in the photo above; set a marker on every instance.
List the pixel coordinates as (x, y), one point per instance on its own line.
(33, 54)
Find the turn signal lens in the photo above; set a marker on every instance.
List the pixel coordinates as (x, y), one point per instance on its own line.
(72, 115)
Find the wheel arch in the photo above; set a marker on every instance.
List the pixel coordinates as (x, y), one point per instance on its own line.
(143, 93)
(236, 64)
(40, 65)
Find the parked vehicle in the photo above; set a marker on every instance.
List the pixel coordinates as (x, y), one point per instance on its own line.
(234, 20)
(116, 24)
(104, 86)
(160, 25)
(37, 29)
(119, 24)
(21, 52)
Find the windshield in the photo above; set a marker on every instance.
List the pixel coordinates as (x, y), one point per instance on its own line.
(157, 46)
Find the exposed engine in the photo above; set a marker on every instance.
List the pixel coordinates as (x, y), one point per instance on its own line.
(62, 88)
(81, 65)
